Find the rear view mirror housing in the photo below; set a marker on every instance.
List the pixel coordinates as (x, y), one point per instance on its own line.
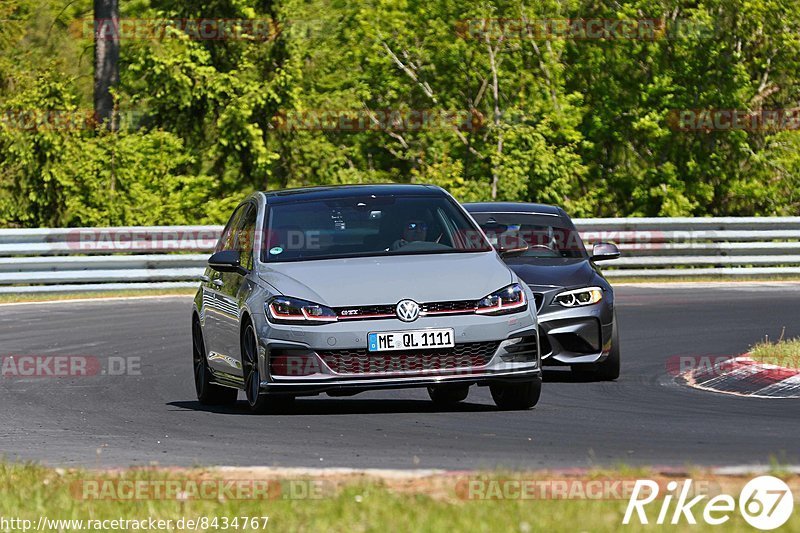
(604, 251)
(227, 261)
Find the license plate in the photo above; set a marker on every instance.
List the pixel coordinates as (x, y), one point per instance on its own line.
(411, 340)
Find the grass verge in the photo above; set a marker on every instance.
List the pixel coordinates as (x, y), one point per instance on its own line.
(784, 353)
(349, 502)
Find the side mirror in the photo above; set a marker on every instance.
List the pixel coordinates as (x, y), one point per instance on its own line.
(603, 251)
(227, 261)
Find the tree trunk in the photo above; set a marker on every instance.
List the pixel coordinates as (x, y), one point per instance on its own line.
(106, 60)
(497, 115)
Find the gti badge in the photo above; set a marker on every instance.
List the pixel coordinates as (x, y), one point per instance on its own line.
(407, 310)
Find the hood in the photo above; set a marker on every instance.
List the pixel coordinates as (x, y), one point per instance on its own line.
(560, 272)
(389, 279)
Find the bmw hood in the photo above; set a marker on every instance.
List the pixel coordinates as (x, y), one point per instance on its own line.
(389, 279)
(556, 271)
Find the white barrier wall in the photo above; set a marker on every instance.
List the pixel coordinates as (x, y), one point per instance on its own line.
(43, 260)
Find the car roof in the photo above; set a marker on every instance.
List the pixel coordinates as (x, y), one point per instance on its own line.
(350, 191)
(513, 207)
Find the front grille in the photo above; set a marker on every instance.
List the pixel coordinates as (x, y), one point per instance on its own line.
(449, 307)
(360, 361)
(366, 312)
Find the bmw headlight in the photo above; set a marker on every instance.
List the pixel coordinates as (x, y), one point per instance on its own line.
(510, 299)
(285, 310)
(579, 297)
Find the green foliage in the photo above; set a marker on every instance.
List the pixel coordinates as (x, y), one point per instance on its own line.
(58, 170)
(583, 123)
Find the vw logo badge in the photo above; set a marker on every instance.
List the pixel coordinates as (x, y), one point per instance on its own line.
(407, 310)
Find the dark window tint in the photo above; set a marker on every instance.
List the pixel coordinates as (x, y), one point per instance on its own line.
(245, 236)
(227, 239)
(369, 226)
(546, 236)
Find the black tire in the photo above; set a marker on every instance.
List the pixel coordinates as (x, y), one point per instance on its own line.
(258, 402)
(208, 392)
(448, 395)
(517, 396)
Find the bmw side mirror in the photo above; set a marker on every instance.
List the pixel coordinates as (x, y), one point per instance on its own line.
(603, 251)
(227, 261)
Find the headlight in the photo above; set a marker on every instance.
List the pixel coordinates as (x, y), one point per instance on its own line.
(508, 300)
(285, 310)
(579, 297)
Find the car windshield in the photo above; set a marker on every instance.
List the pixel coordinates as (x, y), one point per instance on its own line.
(373, 225)
(546, 236)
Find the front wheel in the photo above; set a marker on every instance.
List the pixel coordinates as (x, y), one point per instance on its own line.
(517, 396)
(259, 403)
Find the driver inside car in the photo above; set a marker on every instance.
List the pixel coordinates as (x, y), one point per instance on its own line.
(414, 231)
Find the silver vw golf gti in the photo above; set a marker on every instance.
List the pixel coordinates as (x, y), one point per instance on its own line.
(340, 290)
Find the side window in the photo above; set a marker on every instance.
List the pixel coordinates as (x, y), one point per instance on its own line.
(226, 240)
(245, 236)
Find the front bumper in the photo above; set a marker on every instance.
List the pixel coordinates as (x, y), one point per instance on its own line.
(575, 340)
(509, 351)
(577, 335)
(355, 385)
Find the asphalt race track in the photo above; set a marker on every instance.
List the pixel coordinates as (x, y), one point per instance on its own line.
(644, 418)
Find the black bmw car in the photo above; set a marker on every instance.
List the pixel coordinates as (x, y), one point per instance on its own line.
(574, 301)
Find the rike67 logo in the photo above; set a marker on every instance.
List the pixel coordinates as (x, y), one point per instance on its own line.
(765, 503)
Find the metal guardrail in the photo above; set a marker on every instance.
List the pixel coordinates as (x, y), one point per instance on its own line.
(691, 247)
(86, 259)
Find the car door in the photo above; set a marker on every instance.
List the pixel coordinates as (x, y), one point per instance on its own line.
(214, 305)
(232, 290)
